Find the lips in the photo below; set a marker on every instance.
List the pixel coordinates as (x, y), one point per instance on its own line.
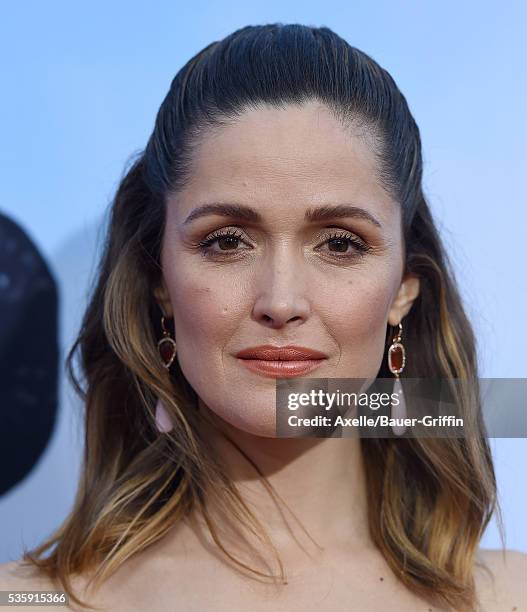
(268, 352)
(283, 361)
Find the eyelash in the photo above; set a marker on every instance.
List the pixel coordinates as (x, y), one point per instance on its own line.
(361, 248)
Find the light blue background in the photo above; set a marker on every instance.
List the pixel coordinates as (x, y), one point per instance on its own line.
(81, 84)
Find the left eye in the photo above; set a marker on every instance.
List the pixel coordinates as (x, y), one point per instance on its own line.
(341, 242)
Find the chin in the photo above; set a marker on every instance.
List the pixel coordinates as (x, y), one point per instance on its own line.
(258, 422)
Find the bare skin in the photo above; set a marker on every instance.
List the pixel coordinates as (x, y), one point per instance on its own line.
(189, 583)
(284, 282)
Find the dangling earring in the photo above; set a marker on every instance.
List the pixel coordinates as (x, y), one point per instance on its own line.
(396, 363)
(167, 351)
(163, 420)
(166, 346)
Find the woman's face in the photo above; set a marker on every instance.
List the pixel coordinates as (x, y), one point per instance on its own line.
(289, 271)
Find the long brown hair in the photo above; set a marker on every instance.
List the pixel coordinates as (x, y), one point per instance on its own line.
(429, 500)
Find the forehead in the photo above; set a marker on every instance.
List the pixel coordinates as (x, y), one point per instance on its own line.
(297, 156)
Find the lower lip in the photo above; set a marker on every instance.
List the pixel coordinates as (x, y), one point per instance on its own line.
(281, 369)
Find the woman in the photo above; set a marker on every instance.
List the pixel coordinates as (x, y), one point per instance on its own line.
(277, 203)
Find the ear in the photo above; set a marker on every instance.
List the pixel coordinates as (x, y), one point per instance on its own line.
(408, 291)
(163, 299)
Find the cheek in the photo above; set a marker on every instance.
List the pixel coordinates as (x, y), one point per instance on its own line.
(357, 316)
(206, 307)
(369, 305)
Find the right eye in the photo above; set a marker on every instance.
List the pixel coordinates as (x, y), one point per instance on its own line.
(227, 241)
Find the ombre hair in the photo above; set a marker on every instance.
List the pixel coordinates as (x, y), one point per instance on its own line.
(429, 499)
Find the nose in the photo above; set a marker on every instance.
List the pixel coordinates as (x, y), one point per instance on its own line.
(282, 297)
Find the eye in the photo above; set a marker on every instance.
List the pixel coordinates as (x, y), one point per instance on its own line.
(344, 245)
(341, 244)
(227, 241)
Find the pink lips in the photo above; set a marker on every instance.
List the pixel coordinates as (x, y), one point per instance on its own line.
(282, 361)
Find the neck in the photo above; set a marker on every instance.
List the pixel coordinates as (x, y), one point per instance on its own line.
(320, 481)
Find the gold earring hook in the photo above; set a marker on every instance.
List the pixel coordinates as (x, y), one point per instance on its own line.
(397, 337)
(165, 331)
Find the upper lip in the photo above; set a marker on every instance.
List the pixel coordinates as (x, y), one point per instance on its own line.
(291, 352)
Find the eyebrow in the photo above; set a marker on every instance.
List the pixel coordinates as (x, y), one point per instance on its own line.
(246, 213)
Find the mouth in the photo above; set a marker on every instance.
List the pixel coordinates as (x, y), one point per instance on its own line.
(286, 361)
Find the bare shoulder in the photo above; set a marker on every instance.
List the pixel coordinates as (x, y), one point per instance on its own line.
(501, 580)
(18, 576)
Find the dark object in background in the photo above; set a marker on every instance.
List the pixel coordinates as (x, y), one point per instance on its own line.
(29, 354)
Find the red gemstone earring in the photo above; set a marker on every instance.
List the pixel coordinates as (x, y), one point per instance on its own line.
(167, 351)
(166, 346)
(396, 363)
